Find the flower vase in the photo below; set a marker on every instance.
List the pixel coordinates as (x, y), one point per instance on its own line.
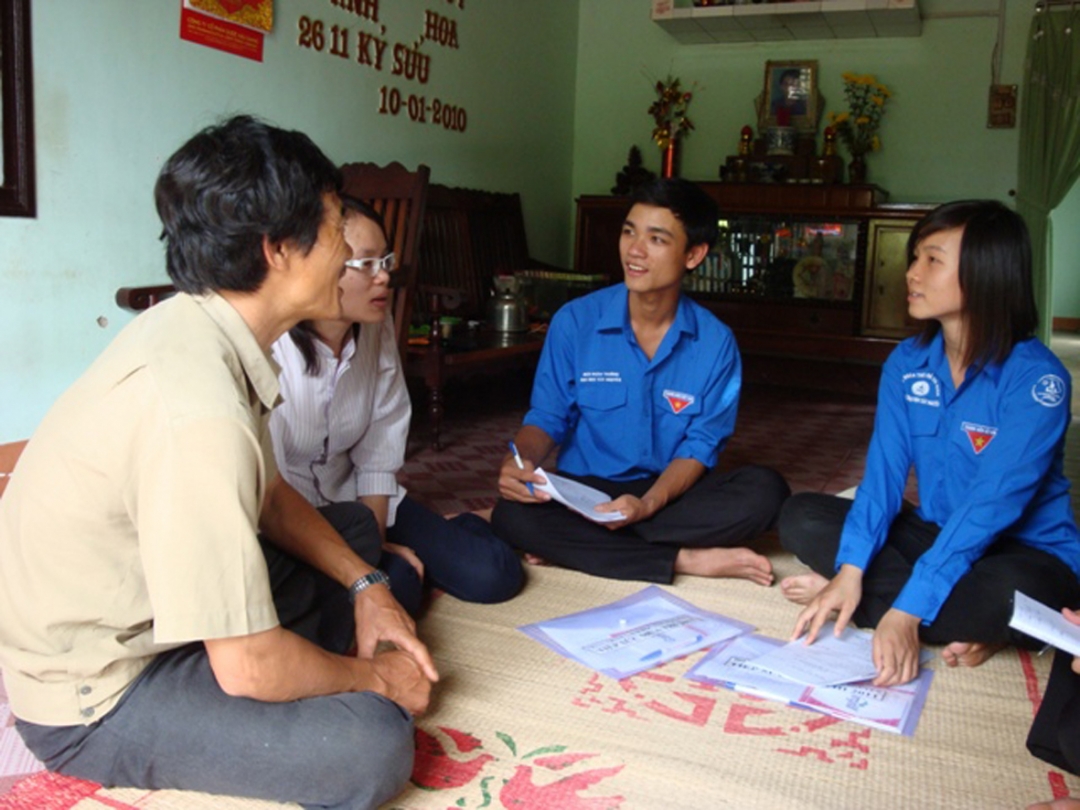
(857, 171)
(670, 159)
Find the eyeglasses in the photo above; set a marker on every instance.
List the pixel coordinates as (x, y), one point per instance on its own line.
(373, 266)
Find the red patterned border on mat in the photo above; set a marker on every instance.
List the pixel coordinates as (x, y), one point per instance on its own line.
(51, 791)
(1058, 788)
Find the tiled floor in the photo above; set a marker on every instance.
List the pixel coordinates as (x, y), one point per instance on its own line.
(816, 440)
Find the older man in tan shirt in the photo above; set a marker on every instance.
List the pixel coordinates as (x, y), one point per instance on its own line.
(147, 637)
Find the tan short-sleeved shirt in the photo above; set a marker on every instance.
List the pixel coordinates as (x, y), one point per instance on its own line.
(130, 524)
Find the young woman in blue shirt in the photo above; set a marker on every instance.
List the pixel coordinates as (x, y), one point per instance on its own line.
(979, 407)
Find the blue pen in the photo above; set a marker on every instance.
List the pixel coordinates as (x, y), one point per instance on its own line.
(521, 466)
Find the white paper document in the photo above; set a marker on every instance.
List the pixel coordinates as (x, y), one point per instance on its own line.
(578, 497)
(636, 633)
(733, 664)
(826, 662)
(1038, 621)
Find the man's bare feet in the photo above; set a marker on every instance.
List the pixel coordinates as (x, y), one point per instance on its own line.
(1057, 804)
(532, 559)
(801, 589)
(969, 653)
(737, 563)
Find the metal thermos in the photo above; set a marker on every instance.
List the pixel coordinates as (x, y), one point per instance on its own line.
(506, 313)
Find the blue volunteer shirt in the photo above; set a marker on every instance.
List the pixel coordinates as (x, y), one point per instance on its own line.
(620, 416)
(988, 458)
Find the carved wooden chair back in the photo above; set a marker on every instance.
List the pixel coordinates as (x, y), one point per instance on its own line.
(400, 197)
(447, 253)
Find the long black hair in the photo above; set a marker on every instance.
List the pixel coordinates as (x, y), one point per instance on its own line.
(998, 299)
(304, 334)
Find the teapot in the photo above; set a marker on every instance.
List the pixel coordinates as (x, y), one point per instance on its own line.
(506, 311)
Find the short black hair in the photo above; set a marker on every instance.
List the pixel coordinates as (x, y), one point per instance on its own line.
(304, 334)
(229, 186)
(998, 299)
(695, 209)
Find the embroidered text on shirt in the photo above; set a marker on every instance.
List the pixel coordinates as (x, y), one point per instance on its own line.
(600, 377)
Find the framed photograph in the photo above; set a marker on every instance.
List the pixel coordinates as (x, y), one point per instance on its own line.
(791, 93)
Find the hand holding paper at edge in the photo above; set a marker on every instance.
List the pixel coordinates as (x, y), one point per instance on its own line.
(1041, 622)
(578, 497)
(842, 594)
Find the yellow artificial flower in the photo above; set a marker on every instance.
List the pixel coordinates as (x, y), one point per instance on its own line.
(857, 127)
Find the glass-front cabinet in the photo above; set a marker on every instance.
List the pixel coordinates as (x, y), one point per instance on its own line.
(781, 258)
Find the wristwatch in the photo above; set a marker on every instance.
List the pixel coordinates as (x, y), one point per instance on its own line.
(376, 577)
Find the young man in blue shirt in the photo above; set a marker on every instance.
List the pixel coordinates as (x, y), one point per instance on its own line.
(638, 387)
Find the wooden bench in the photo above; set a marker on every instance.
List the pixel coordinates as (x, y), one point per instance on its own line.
(469, 238)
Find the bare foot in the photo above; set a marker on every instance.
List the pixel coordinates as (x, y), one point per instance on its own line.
(801, 589)
(1056, 804)
(969, 653)
(532, 559)
(737, 563)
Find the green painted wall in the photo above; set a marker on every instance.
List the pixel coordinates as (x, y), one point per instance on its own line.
(116, 91)
(556, 93)
(936, 145)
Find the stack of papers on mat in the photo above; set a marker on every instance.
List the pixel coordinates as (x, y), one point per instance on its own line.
(636, 633)
(752, 664)
(652, 627)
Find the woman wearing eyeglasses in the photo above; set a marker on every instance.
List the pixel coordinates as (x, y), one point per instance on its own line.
(339, 439)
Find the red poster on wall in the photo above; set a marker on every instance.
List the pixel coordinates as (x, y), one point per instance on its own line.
(257, 14)
(221, 34)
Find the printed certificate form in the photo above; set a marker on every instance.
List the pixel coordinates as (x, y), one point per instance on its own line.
(634, 634)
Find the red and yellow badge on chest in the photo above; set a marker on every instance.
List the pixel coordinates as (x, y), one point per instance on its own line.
(678, 401)
(979, 435)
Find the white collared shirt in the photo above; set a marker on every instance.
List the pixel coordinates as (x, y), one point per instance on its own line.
(340, 434)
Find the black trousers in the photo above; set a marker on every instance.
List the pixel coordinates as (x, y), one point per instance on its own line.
(1055, 734)
(723, 509)
(980, 605)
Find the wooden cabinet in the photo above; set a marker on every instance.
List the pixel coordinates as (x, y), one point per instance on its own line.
(801, 271)
(885, 292)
